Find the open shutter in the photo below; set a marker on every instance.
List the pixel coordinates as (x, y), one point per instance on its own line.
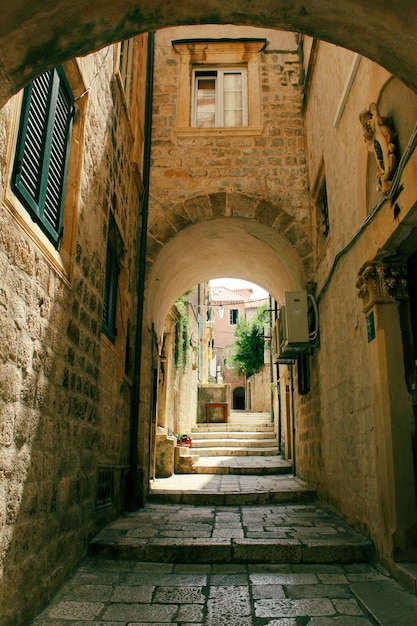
(42, 150)
(31, 146)
(58, 158)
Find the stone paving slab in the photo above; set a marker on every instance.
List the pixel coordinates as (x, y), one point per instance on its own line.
(297, 533)
(229, 489)
(133, 593)
(241, 465)
(386, 601)
(234, 451)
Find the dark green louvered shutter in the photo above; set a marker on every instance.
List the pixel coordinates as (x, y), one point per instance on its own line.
(42, 150)
(110, 293)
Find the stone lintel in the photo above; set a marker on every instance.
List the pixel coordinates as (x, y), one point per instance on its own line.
(219, 51)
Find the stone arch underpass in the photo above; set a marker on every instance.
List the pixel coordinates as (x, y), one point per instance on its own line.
(258, 242)
(34, 36)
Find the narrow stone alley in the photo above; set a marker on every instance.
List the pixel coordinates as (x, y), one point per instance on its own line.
(146, 150)
(231, 548)
(276, 565)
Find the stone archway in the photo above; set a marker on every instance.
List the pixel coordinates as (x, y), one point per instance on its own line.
(238, 247)
(221, 212)
(35, 36)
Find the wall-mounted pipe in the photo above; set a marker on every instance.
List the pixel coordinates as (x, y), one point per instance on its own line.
(134, 496)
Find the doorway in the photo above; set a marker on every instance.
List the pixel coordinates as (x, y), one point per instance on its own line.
(239, 400)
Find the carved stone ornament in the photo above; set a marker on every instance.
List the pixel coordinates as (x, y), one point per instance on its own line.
(380, 283)
(381, 140)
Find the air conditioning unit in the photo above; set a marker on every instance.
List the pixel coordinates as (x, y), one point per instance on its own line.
(291, 336)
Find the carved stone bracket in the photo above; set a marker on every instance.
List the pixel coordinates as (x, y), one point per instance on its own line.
(381, 283)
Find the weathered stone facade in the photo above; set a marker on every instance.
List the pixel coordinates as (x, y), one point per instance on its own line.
(178, 374)
(259, 389)
(198, 175)
(65, 388)
(340, 445)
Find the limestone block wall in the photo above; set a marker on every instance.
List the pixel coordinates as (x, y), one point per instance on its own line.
(259, 396)
(193, 171)
(335, 446)
(177, 390)
(338, 421)
(65, 389)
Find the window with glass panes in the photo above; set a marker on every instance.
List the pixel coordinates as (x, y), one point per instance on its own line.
(219, 98)
(43, 149)
(126, 65)
(233, 316)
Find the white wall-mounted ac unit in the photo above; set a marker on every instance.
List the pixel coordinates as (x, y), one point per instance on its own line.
(291, 331)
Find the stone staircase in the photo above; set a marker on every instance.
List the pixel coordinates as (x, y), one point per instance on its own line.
(245, 434)
(233, 500)
(215, 445)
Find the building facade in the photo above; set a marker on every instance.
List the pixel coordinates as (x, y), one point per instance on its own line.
(71, 186)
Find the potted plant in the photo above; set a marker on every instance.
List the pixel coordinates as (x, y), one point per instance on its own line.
(184, 440)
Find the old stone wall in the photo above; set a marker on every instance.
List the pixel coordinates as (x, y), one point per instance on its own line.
(256, 172)
(177, 389)
(188, 380)
(338, 419)
(65, 388)
(259, 390)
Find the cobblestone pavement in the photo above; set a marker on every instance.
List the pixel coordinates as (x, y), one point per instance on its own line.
(126, 592)
(180, 583)
(290, 533)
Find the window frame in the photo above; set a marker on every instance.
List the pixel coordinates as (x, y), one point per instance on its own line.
(322, 203)
(124, 68)
(52, 143)
(110, 293)
(233, 315)
(217, 74)
(205, 53)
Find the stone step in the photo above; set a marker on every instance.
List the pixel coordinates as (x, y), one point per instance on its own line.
(182, 533)
(231, 435)
(253, 415)
(233, 490)
(226, 427)
(240, 465)
(229, 450)
(266, 421)
(234, 442)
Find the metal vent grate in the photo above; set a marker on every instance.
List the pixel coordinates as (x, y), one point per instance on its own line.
(105, 487)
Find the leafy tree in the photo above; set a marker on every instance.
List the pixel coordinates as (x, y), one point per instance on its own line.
(247, 352)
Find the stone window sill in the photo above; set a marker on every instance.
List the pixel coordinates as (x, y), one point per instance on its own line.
(236, 131)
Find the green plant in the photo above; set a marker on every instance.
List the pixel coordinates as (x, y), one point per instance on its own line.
(247, 352)
(182, 334)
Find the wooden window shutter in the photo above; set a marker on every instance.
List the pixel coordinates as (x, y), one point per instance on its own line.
(42, 150)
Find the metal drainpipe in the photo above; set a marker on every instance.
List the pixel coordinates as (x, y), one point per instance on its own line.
(294, 470)
(132, 483)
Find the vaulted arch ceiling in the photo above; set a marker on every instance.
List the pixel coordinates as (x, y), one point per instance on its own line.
(236, 247)
(37, 34)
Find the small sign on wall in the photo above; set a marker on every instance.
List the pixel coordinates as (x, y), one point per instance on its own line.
(370, 326)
